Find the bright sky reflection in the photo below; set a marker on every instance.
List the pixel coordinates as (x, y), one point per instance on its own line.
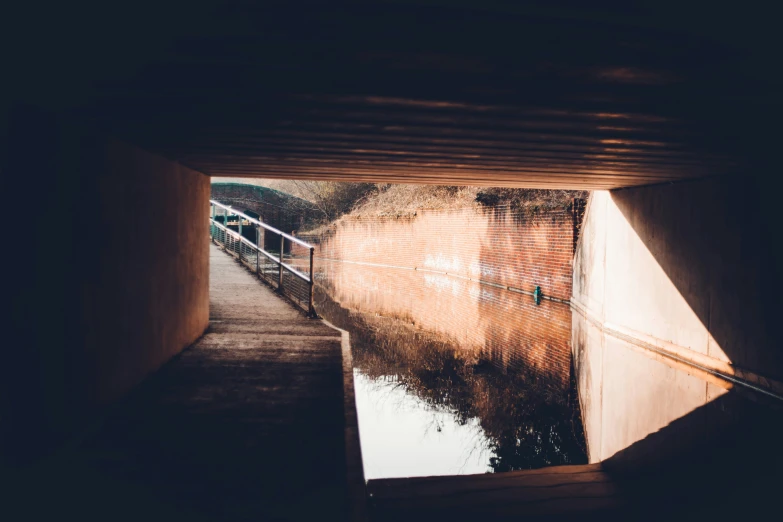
(402, 436)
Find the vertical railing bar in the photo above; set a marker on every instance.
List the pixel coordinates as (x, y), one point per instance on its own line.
(280, 273)
(225, 229)
(310, 308)
(212, 222)
(258, 246)
(239, 221)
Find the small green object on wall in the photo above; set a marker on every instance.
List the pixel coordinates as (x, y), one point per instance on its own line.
(537, 295)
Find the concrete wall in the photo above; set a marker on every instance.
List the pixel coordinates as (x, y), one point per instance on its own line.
(688, 270)
(151, 270)
(117, 287)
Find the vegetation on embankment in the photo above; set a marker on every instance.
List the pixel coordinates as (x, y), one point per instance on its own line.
(333, 200)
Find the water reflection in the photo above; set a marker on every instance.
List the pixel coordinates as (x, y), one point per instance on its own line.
(402, 435)
(452, 376)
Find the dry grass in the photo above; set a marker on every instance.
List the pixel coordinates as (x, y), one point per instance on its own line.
(396, 200)
(338, 201)
(406, 200)
(529, 199)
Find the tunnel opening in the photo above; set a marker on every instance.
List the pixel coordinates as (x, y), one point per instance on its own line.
(421, 375)
(458, 370)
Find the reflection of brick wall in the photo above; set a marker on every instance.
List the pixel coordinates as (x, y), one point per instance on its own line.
(495, 245)
(506, 328)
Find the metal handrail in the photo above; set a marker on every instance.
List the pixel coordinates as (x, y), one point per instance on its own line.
(278, 260)
(261, 223)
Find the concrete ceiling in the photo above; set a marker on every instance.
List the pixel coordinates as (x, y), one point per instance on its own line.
(547, 95)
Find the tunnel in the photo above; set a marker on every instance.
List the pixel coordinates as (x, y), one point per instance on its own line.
(668, 114)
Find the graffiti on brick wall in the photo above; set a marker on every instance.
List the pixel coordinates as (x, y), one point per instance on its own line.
(497, 245)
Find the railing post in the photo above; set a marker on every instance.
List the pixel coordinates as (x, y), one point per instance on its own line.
(280, 274)
(239, 245)
(258, 247)
(212, 222)
(225, 229)
(311, 309)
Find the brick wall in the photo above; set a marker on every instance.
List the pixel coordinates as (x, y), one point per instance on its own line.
(495, 246)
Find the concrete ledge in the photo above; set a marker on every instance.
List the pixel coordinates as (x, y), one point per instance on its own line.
(559, 492)
(712, 370)
(355, 484)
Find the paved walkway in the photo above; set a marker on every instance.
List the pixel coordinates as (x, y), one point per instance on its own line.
(247, 424)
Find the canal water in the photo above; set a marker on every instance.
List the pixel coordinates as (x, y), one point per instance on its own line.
(453, 376)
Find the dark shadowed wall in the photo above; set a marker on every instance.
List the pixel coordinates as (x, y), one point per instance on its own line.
(117, 288)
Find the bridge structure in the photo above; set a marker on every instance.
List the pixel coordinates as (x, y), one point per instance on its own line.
(275, 208)
(667, 113)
